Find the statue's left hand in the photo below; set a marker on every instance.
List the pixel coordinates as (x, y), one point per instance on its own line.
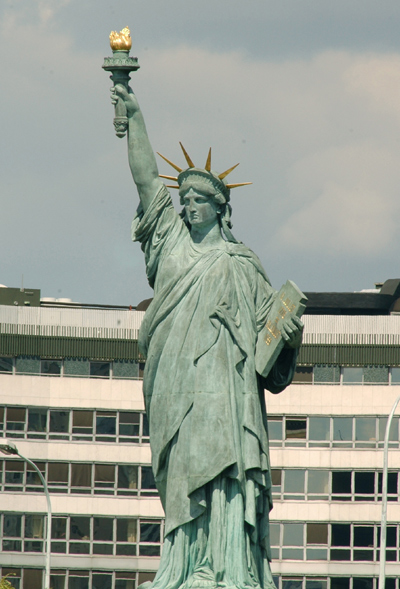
(292, 332)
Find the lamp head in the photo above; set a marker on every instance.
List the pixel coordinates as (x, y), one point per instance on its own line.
(8, 447)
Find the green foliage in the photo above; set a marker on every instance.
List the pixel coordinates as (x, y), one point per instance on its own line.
(4, 584)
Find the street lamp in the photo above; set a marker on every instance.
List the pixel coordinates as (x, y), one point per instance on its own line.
(382, 553)
(8, 447)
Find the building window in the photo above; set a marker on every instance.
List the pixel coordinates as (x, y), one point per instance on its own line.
(352, 375)
(50, 367)
(395, 375)
(100, 369)
(78, 478)
(337, 485)
(6, 365)
(296, 430)
(303, 375)
(86, 425)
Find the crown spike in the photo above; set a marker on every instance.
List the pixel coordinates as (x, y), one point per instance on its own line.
(187, 157)
(224, 174)
(177, 168)
(168, 177)
(208, 162)
(236, 185)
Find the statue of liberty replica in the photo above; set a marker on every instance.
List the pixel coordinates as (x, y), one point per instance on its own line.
(203, 393)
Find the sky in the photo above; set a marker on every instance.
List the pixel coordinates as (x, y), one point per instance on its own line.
(305, 95)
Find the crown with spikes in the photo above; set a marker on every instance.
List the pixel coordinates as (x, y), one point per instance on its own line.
(217, 180)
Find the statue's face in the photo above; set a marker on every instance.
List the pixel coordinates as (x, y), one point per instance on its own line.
(201, 210)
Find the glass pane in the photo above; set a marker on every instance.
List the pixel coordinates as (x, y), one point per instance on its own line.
(6, 364)
(276, 478)
(340, 582)
(15, 418)
(394, 429)
(341, 482)
(129, 423)
(57, 582)
(292, 534)
(103, 528)
(59, 528)
(77, 582)
(127, 476)
(366, 429)
(14, 472)
(126, 529)
(316, 584)
(79, 527)
(37, 419)
(296, 428)
(150, 532)
(364, 536)
(59, 421)
(363, 582)
(319, 428)
(32, 477)
(317, 533)
(82, 419)
(274, 531)
(145, 425)
(342, 428)
(275, 429)
(100, 369)
(143, 577)
(149, 550)
(51, 367)
(303, 374)
(294, 481)
(104, 475)
(391, 483)
(341, 535)
(395, 375)
(33, 577)
(58, 473)
(34, 525)
(102, 580)
(364, 483)
(318, 481)
(12, 526)
(81, 475)
(352, 374)
(106, 423)
(148, 478)
(292, 583)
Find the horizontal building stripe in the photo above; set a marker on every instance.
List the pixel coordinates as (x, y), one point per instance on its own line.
(68, 347)
(349, 355)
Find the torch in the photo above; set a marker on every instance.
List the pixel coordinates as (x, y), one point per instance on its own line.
(120, 65)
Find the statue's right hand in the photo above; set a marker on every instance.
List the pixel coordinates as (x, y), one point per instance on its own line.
(130, 100)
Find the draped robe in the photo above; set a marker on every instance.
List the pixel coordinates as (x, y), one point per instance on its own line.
(205, 403)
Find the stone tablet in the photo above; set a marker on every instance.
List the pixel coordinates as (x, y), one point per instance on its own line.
(289, 301)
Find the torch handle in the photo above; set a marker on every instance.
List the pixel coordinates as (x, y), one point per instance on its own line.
(120, 65)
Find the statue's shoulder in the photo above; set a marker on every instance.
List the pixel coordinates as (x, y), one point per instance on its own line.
(246, 255)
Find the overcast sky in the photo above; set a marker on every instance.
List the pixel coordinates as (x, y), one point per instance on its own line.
(305, 95)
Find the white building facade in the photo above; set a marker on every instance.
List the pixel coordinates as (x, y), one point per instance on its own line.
(71, 400)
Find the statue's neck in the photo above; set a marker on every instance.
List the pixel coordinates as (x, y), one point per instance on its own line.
(206, 236)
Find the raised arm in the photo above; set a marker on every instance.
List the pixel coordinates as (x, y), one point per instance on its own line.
(141, 156)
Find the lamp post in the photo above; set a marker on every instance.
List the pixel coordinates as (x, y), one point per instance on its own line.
(8, 447)
(382, 553)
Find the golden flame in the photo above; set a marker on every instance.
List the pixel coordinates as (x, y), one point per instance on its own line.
(121, 41)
